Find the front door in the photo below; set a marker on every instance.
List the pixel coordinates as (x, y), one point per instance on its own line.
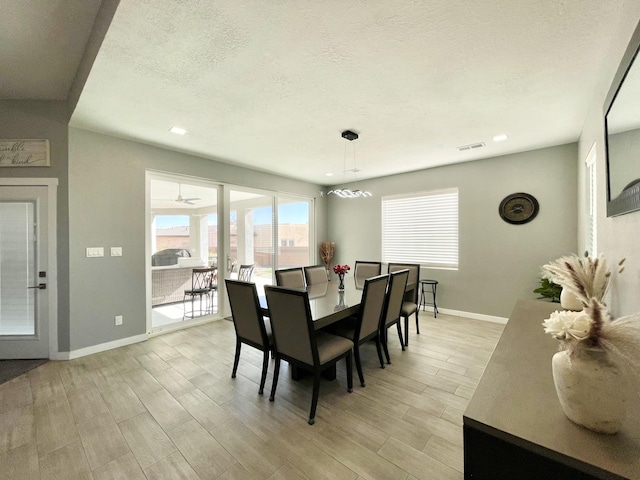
(24, 306)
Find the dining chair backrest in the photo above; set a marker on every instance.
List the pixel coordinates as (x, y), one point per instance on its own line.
(365, 270)
(292, 324)
(315, 274)
(414, 276)
(372, 305)
(395, 295)
(290, 277)
(245, 272)
(246, 312)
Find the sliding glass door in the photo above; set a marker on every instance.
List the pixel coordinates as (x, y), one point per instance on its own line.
(183, 236)
(196, 224)
(268, 231)
(294, 232)
(251, 235)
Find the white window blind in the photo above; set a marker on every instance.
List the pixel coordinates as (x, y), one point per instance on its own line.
(421, 228)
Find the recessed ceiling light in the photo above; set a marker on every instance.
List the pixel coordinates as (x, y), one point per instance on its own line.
(329, 174)
(178, 130)
(500, 138)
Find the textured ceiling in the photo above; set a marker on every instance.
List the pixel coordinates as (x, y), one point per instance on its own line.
(41, 45)
(271, 84)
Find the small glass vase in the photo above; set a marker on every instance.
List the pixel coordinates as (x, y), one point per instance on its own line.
(341, 278)
(593, 390)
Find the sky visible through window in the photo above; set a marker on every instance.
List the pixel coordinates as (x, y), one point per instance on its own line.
(297, 213)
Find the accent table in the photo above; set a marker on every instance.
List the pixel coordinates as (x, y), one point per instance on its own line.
(514, 426)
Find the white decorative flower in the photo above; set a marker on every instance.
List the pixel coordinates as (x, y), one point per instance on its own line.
(564, 324)
(580, 329)
(555, 324)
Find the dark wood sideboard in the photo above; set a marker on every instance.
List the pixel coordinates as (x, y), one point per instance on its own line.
(514, 427)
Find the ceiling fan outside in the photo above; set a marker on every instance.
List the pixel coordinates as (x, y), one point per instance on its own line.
(180, 199)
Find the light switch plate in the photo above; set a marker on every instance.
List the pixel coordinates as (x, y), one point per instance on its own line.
(95, 252)
(116, 251)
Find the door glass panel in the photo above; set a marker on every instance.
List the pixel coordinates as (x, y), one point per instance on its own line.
(17, 268)
(293, 233)
(251, 235)
(183, 237)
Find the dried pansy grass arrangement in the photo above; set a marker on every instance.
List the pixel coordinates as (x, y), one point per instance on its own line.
(327, 250)
(599, 363)
(589, 279)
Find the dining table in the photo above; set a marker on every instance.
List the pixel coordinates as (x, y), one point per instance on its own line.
(327, 303)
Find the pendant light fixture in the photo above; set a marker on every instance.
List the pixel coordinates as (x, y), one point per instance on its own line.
(345, 192)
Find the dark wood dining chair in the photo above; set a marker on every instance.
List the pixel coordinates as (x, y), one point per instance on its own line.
(393, 307)
(367, 324)
(297, 342)
(290, 277)
(364, 269)
(315, 274)
(410, 303)
(202, 286)
(251, 327)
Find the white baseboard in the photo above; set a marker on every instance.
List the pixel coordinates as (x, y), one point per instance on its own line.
(82, 352)
(474, 316)
(173, 327)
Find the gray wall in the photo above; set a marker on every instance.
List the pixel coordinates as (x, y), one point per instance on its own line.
(498, 262)
(617, 237)
(46, 120)
(106, 209)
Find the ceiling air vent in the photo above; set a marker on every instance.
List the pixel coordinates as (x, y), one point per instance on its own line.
(472, 146)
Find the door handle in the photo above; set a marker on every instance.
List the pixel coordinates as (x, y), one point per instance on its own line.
(41, 286)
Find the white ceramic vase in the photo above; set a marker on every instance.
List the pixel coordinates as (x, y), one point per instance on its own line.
(593, 390)
(569, 301)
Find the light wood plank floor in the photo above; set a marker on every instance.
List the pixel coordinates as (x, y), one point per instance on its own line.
(167, 408)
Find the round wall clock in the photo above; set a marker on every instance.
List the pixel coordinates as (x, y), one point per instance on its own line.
(518, 208)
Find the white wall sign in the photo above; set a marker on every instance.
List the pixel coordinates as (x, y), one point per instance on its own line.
(24, 153)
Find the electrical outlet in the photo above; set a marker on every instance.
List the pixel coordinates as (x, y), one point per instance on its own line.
(118, 319)
(116, 251)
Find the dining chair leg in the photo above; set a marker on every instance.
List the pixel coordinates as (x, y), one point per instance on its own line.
(350, 374)
(379, 351)
(316, 393)
(400, 335)
(276, 372)
(417, 323)
(265, 365)
(406, 330)
(386, 350)
(356, 351)
(236, 359)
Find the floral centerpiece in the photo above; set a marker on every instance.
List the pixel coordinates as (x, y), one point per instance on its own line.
(598, 356)
(341, 270)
